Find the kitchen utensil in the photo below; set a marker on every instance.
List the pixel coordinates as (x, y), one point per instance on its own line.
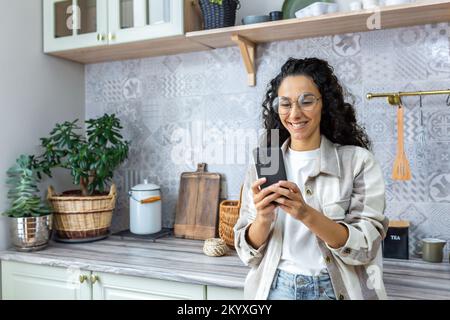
(276, 15)
(432, 249)
(401, 170)
(421, 133)
(145, 208)
(198, 203)
(255, 19)
(215, 247)
(290, 7)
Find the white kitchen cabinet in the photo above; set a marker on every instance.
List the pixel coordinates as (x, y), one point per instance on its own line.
(77, 24)
(22, 281)
(120, 287)
(221, 293)
(134, 20)
(74, 24)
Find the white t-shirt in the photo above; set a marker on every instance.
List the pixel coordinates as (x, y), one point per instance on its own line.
(301, 253)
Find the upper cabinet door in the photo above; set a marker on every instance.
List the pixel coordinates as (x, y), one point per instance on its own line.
(134, 20)
(73, 24)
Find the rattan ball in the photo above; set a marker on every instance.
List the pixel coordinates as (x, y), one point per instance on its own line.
(215, 247)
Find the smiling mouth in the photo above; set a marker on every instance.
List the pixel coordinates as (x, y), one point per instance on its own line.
(298, 125)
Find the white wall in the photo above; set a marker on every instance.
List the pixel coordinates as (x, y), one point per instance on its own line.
(36, 91)
(257, 7)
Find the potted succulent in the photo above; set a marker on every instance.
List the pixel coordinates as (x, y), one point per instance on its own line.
(30, 217)
(219, 13)
(83, 214)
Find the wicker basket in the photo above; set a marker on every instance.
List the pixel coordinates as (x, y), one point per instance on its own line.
(219, 16)
(228, 216)
(77, 217)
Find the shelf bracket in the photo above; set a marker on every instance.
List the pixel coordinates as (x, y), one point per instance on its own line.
(248, 52)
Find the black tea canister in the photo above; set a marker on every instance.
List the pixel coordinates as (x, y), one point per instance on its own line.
(396, 244)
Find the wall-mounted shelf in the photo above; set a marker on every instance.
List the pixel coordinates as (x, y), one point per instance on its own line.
(330, 24)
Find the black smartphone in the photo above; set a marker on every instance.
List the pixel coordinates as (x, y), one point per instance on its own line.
(270, 165)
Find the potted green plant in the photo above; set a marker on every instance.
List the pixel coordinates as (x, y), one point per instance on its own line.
(83, 214)
(30, 217)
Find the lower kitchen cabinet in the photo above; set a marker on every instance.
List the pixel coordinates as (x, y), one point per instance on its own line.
(119, 287)
(221, 293)
(23, 281)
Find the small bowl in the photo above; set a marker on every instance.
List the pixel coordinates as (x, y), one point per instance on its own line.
(255, 19)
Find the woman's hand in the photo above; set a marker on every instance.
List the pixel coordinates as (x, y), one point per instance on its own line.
(265, 209)
(258, 232)
(291, 199)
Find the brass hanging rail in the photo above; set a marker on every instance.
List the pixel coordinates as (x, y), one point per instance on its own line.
(394, 97)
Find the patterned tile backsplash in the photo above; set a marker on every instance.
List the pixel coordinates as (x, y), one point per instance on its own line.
(183, 109)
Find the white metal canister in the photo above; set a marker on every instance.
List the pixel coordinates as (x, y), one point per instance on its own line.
(145, 208)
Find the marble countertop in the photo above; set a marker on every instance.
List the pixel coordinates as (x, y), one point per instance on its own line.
(183, 260)
(167, 258)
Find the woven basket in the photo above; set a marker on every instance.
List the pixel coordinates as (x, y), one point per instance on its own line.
(77, 217)
(228, 216)
(219, 16)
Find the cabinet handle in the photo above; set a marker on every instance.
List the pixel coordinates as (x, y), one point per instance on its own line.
(111, 36)
(94, 279)
(83, 278)
(101, 37)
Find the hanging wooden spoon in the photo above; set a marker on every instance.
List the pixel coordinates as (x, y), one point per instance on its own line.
(401, 170)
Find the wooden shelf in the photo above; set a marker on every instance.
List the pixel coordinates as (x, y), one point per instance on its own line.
(325, 25)
(329, 24)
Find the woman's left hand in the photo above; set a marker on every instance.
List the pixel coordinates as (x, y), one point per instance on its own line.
(292, 201)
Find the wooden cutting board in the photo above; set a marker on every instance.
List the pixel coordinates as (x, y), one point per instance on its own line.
(198, 204)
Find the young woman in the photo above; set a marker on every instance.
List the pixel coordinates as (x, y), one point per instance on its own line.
(317, 235)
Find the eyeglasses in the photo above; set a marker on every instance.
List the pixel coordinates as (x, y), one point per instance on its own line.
(284, 105)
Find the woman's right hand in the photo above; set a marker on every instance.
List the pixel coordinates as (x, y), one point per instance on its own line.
(265, 209)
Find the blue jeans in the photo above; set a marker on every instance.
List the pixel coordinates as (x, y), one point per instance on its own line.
(288, 286)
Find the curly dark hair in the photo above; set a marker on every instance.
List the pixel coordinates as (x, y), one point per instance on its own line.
(338, 120)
